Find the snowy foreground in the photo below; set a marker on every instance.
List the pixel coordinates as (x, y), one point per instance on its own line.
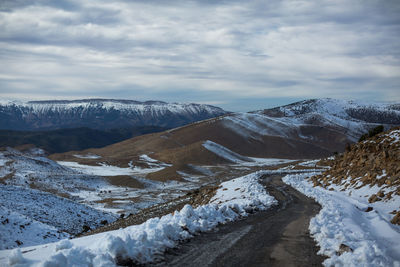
(146, 242)
(343, 220)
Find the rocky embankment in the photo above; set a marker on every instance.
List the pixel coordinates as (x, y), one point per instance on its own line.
(374, 162)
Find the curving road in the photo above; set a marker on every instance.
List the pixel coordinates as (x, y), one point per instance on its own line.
(277, 237)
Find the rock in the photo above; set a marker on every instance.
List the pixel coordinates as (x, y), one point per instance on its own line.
(373, 198)
(344, 248)
(396, 219)
(369, 209)
(85, 228)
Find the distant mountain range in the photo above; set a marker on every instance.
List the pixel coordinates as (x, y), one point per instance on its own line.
(100, 114)
(306, 129)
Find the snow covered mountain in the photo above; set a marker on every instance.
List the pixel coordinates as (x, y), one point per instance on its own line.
(100, 114)
(353, 115)
(312, 120)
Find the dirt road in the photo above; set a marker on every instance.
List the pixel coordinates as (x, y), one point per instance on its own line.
(277, 237)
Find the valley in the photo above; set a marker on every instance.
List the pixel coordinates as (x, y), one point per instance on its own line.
(200, 176)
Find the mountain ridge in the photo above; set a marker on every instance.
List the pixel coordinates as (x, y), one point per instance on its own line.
(100, 114)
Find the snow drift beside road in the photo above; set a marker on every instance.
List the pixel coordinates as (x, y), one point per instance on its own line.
(145, 243)
(343, 220)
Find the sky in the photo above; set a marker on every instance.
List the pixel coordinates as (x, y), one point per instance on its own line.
(239, 55)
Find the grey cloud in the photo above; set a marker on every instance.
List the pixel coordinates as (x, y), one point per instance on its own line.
(222, 51)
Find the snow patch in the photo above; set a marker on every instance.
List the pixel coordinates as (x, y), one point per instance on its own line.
(224, 152)
(108, 170)
(88, 156)
(145, 157)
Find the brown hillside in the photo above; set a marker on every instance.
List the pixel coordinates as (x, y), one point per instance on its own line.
(213, 130)
(183, 145)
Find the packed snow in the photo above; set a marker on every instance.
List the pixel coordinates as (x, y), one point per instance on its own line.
(145, 243)
(344, 219)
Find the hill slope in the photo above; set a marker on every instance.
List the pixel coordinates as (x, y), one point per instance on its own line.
(100, 114)
(62, 140)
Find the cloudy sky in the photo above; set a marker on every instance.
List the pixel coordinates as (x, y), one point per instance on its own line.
(240, 55)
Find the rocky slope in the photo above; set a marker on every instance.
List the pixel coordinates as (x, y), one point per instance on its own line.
(371, 166)
(100, 114)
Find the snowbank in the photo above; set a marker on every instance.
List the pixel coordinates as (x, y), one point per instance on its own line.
(344, 220)
(242, 194)
(146, 242)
